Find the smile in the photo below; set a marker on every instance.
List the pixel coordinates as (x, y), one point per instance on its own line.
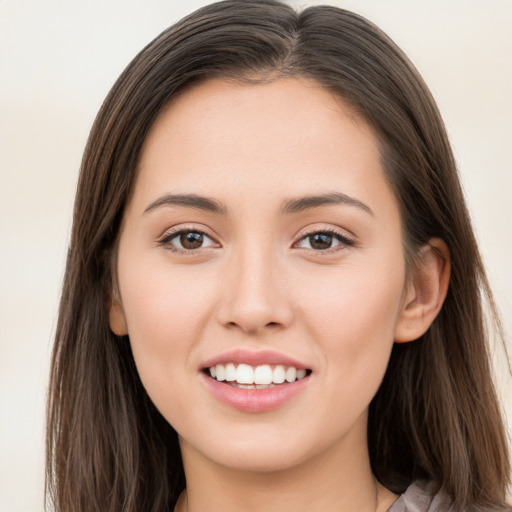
(255, 382)
(263, 376)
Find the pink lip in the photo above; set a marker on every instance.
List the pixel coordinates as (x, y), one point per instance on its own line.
(254, 400)
(253, 358)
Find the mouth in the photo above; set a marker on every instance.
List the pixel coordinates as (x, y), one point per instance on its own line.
(246, 376)
(255, 381)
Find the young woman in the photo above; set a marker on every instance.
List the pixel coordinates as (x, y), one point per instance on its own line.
(272, 298)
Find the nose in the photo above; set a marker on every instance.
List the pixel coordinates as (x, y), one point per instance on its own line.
(255, 293)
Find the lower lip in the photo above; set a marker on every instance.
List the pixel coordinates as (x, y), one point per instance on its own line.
(254, 400)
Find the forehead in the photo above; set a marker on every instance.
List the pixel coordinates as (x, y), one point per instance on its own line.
(285, 137)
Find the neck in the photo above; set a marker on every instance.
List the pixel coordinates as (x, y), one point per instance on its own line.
(338, 480)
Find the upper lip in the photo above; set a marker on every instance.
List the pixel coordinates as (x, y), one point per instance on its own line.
(254, 358)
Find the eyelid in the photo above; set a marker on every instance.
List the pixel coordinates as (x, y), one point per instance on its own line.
(347, 240)
(173, 232)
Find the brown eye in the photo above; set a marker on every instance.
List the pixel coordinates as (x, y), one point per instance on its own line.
(191, 240)
(187, 240)
(320, 241)
(324, 240)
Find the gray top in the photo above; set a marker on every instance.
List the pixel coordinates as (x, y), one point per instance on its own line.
(420, 497)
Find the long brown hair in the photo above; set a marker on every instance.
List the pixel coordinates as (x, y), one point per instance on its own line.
(435, 415)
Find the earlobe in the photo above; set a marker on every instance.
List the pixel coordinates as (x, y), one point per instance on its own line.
(116, 318)
(426, 291)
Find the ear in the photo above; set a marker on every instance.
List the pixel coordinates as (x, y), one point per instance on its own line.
(426, 291)
(117, 319)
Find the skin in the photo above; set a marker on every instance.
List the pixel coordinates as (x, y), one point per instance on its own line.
(258, 284)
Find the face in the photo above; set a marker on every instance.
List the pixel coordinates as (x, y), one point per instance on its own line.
(262, 244)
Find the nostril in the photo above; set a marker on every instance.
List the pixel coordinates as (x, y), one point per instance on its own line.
(253, 328)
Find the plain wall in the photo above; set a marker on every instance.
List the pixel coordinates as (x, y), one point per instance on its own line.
(58, 60)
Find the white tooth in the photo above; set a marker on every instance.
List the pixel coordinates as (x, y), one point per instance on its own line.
(291, 374)
(213, 371)
(263, 374)
(245, 374)
(278, 375)
(220, 372)
(301, 374)
(253, 386)
(230, 372)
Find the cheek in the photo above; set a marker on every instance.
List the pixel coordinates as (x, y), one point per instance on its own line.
(159, 297)
(166, 310)
(352, 316)
(353, 299)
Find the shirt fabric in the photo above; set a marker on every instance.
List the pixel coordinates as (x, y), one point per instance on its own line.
(420, 496)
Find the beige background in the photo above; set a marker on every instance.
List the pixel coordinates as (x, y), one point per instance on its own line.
(57, 61)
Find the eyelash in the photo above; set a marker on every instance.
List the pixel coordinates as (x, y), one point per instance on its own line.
(170, 236)
(344, 240)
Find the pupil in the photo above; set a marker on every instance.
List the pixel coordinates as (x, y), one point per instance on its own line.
(320, 241)
(191, 240)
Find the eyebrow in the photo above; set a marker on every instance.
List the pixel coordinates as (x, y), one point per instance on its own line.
(190, 201)
(288, 207)
(310, 202)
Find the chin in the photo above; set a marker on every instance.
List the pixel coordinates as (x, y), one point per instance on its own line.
(262, 451)
(260, 460)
